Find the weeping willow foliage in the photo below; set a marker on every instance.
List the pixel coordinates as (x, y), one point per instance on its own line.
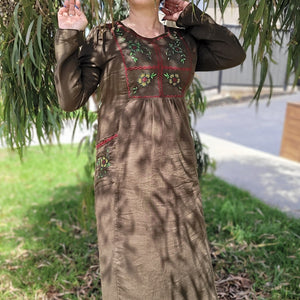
(28, 101)
(27, 59)
(268, 21)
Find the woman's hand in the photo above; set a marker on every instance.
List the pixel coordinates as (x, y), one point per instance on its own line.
(71, 17)
(173, 8)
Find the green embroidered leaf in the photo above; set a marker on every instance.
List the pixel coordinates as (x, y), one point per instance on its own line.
(167, 75)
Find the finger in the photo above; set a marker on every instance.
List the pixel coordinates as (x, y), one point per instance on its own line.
(170, 2)
(171, 6)
(166, 11)
(171, 9)
(62, 10)
(174, 2)
(77, 8)
(67, 4)
(78, 4)
(66, 7)
(72, 8)
(78, 12)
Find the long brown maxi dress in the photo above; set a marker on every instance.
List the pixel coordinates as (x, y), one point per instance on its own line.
(151, 230)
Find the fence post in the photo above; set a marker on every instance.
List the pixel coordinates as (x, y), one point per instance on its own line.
(220, 81)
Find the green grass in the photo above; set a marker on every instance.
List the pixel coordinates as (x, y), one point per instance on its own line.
(47, 243)
(252, 238)
(48, 233)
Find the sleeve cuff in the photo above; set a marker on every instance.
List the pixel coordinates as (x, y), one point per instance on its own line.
(70, 35)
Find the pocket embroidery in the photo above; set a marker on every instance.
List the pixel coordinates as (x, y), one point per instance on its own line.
(102, 164)
(103, 161)
(106, 141)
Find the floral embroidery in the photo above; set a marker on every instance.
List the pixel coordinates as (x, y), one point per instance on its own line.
(144, 80)
(176, 48)
(134, 46)
(102, 164)
(173, 79)
(137, 47)
(118, 31)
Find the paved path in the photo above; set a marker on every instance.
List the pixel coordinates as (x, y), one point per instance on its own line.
(245, 143)
(255, 127)
(273, 179)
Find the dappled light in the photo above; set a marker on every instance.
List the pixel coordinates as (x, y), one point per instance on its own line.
(51, 239)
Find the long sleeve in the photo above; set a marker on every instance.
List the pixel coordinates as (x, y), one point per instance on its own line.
(217, 47)
(77, 72)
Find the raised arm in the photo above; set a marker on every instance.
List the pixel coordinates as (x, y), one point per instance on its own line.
(77, 72)
(217, 47)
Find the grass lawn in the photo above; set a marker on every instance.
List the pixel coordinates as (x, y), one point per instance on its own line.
(48, 236)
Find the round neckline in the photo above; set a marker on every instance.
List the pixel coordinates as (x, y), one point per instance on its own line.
(144, 37)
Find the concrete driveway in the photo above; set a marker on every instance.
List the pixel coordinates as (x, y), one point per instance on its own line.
(245, 142)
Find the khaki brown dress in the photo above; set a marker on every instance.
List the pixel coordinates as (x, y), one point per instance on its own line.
(151, 230)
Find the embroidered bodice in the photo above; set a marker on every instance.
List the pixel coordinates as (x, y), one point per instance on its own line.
(155, 67)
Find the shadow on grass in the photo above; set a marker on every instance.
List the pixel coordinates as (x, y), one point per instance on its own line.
(58, 258)
(253, 239)
(59, 255)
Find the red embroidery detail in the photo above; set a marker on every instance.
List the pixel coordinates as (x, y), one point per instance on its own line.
(143, 68)
(106, 141)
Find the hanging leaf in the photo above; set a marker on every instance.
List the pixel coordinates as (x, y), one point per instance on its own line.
(259, 11)
(263, 75)
(29, 32)
(39, 33)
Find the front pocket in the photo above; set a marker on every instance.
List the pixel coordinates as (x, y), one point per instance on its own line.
(104, 165)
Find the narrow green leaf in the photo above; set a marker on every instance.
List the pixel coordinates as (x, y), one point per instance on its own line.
(263, 75)
(15, 53)
(29, 32)
(259, 11)
(16, 21)
(251, 4)
(30, 49)
(39, 33)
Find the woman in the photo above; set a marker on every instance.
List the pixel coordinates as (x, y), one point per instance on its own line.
(151, 230)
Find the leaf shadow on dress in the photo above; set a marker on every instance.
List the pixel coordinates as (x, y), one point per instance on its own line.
(151, 229)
